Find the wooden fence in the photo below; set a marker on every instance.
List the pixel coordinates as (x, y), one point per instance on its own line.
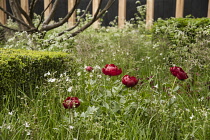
(179, 10)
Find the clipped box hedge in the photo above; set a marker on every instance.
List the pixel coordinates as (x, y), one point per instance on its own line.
(21, 69)
(181, 31)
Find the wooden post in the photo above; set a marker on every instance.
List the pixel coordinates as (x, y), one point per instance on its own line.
(72, 19)
(208, 15)
(47, 12)
(95, 7)
(3, 18)
(179, 8)
(121, 13)
(150, 13)
(24, 5)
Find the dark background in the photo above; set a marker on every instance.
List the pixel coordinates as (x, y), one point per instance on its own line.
(163, 9)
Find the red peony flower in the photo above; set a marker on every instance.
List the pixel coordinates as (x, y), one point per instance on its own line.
(111, 70)
(182, 75)
(71, 102)
(129, 81)
(179, 73)
(89, 68)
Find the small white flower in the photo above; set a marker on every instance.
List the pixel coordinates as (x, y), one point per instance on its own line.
(27, 124)
(51, 80)
(46, 74)
(67, 79)
(99, 76)
(192, 117)
(97, 67)
(69, 89)
(71, 127)
(9, 127)
(28, 133)
(10, 113)
(156, 86)
(79, 73)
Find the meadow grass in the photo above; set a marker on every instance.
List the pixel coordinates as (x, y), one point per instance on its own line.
(159, 107)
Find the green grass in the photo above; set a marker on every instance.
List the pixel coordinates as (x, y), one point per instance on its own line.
(158, 108)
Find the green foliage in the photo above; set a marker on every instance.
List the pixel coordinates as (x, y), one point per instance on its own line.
(184, 40)
(182, 31)
(158, 107)
(20, 69)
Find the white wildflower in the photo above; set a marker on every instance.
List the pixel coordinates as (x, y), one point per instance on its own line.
(69, 89)
(79, 73)
(51, 80)
(192, 117)
(46, 74)
(27, 124)
(71, 127)
(97, 67)
(10, 113)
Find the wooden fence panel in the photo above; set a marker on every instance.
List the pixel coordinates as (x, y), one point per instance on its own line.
(150, 13)
(46, 3)
(95, 7)
(162, 9)
(179, 8)
(208, 10)
(25, 6)
(72, 19)
(2, 15)
(121, 13)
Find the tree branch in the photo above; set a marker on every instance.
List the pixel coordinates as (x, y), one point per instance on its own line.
(96, 17)
(31, 8)
(79, 20)
(52, 12)
(25, 15)
(13, 17)
(15, 30)
(65, 19)
(42, 14)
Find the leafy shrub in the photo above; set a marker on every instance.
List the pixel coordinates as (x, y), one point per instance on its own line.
(182, 31)
(184, 40)
(21, 69)
(2, 37)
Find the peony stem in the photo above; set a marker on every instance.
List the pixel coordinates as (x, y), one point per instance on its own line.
(71, 117)
(173, 84)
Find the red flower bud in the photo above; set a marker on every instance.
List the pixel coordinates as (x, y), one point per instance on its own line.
(129, 81)
(89, 68)
(178, 72)
(182, 75)
(71, 102)
(111, 70)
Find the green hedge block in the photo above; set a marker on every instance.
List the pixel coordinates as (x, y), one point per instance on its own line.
(181, 31)
(21, 69)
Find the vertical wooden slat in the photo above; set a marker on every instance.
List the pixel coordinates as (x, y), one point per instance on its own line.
(149, 13)
(179, 8)
(25, 6)
(47, 12)
(95, 7)
(208, 15)
(2, 15)
(72, 19)
(121, 13)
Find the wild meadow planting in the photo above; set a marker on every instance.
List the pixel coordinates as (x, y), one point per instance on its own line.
(126, 84)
